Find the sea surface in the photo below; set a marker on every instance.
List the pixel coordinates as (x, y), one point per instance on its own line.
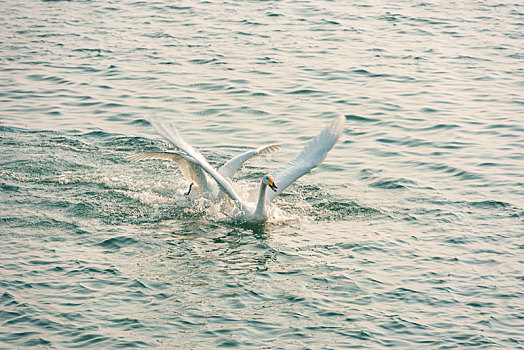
(409, 235)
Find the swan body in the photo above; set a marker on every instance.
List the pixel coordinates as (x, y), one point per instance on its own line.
(197, 167)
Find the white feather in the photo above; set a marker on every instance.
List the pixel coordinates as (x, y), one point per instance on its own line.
(232, 166)
(183, 163)
(171, 134)
(313, 154)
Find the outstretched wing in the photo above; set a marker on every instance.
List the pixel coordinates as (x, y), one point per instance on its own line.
(171, 134)
(231, 167)
(313, 153)
(184, 164)
(191, 171)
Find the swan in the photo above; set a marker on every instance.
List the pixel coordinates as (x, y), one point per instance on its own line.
(314, 152)
(193, 173)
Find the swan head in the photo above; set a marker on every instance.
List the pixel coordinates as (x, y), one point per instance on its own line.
(268, 180)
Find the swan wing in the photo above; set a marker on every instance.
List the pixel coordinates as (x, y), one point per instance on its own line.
(313, 153)
(231, 167)
(171, 134)
(190, 169)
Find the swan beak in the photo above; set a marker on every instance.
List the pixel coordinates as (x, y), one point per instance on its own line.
(272, 184)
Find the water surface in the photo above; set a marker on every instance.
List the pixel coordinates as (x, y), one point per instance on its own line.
(408, 235)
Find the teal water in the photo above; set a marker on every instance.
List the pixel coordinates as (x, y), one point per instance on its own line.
(409, 235)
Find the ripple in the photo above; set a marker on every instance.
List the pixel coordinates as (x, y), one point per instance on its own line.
(117, 242)
(391, 184)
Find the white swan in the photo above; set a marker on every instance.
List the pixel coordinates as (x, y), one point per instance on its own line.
(313, 153)
(193, 173)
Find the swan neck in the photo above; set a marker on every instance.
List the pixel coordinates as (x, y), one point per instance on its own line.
(261, 204)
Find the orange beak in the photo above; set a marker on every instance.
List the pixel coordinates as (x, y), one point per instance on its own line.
(272, 184)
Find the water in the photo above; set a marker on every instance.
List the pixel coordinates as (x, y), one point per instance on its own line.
(408, 235)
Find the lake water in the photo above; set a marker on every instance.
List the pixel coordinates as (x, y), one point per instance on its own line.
(409, 235)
